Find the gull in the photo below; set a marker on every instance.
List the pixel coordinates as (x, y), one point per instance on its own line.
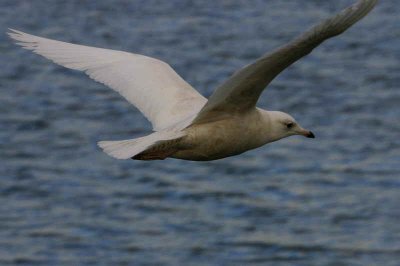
(186, 125)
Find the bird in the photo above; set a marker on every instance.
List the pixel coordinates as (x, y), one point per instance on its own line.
(186, 125)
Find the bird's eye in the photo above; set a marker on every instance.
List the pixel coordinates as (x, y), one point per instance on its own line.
(289, 125)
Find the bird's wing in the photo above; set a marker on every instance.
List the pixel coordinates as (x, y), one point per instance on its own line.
(149, 84)
(242, 90)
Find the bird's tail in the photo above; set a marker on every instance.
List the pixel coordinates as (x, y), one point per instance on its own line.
(126, 149)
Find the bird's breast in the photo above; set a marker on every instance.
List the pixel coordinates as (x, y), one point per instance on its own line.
(220, 139)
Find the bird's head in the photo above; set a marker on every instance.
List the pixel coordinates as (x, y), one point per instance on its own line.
(284, 125)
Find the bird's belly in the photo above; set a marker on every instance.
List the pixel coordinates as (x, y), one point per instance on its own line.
(218, 140)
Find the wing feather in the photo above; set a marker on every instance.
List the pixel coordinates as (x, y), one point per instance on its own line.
(148, 83)
(242, 90)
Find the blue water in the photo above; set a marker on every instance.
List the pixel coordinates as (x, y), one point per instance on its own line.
(333, 200)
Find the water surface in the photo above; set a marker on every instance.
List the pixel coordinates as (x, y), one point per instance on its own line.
(329, 201)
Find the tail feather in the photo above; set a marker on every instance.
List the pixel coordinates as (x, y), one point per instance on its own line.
(126, 149)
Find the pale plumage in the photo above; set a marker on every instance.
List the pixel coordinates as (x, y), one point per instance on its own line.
(187, 125)
(151, 85)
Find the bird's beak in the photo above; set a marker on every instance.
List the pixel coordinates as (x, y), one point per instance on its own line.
(310, 135)
(307, 133)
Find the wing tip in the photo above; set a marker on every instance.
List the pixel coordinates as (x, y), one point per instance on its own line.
(23, 39)
(13, 33)
(364, 6)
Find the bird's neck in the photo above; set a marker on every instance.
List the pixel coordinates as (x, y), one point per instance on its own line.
(270, 130)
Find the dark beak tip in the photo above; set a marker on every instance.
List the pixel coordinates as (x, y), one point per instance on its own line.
(310, 135)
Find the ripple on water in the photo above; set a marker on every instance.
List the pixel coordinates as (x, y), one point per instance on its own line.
(329, 201)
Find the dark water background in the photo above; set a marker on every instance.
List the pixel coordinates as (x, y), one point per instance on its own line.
(334, 200)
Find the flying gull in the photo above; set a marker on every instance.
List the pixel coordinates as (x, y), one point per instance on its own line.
(186, 125)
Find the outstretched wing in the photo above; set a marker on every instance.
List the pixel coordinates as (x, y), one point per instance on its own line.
(242, 90)
(149, 84)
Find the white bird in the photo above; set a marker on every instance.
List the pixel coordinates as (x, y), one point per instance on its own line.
(186, 125)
